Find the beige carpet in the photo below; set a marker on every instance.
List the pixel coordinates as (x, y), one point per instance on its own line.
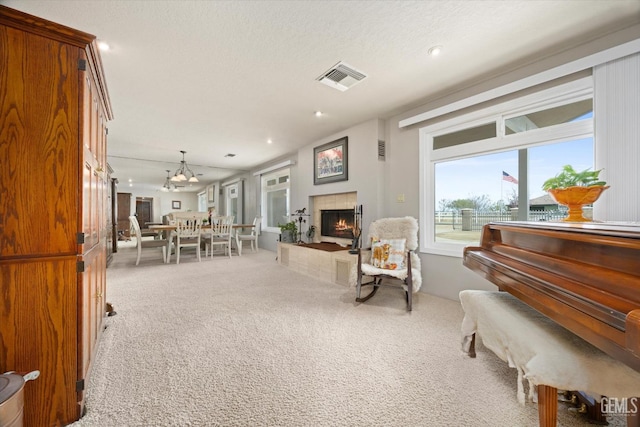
(246, 342)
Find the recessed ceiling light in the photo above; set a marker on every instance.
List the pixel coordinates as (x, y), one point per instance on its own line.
(435, 51)
(230, 155)
(318, 113)
(103, 46)
(269, 141)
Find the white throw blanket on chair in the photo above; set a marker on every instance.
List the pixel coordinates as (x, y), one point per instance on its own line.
(407, 226)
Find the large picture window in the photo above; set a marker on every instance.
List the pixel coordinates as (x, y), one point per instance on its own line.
(275, 199)
(489, 165)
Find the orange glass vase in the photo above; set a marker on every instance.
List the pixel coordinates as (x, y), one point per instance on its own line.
(576, 197)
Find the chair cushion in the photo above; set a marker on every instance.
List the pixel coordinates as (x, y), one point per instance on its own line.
(370, 270)
(388, 254)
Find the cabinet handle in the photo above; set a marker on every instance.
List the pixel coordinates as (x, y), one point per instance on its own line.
(99, 169)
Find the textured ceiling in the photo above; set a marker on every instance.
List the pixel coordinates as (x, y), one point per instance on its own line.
(219, 77)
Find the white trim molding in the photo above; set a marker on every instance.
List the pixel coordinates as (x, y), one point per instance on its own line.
(590, 61)
(274, 167)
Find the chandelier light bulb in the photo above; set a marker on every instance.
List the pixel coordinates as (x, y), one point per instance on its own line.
(180, 174)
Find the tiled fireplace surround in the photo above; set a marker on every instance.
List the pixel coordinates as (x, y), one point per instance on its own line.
(337, 267)
(331, 201)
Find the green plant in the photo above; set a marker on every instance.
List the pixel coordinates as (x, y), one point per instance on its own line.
(570, 178)
(289, 226)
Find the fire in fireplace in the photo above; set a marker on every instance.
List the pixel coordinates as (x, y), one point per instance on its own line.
(337, 223)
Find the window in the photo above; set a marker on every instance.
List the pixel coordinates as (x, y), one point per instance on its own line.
(275, 199)
(232, 201)
(202, 202)
(489, 165)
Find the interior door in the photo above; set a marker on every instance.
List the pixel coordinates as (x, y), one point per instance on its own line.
(124, 211)
(143, 212)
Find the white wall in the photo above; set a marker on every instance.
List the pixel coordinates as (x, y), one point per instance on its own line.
(365, 176)
(617, 115)
(365, 172)
(161, 201)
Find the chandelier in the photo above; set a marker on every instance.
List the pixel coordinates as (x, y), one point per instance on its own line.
(167, 184)
(182, 170)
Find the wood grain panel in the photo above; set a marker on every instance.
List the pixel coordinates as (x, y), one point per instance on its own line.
(91, 303)
(38, 331)
(37, 127)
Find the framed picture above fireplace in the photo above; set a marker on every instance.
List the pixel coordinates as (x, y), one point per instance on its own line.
(330, 162)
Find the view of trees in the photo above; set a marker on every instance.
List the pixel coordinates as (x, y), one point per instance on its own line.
(479, 203)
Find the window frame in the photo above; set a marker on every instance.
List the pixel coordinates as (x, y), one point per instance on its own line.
(231, 191)
(577, 90)
(264, 190)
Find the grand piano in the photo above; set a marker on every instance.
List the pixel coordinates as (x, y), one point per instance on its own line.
(584, 276)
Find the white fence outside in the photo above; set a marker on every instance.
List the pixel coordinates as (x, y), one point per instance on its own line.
(472, 220)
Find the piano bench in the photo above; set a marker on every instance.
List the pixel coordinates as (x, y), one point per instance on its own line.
(548, 356)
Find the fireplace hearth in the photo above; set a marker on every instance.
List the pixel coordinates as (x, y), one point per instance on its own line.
(337, 223)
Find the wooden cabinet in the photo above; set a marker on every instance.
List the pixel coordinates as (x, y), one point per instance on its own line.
(54, 109)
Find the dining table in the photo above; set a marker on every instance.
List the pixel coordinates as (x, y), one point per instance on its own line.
(165, 229)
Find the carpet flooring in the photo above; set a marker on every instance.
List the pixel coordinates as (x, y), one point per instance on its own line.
(246, 342)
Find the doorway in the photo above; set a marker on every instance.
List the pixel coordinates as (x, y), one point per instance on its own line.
(124, 210)
(144, 210)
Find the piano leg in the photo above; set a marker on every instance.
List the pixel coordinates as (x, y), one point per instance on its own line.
(547, 406)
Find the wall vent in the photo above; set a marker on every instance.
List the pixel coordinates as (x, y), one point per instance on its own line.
(382, 152)
(341, 76)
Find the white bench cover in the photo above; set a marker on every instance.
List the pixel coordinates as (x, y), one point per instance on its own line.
(543, 352)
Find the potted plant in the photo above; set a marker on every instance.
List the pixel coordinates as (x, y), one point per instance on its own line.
(575, 189)
(288, 232)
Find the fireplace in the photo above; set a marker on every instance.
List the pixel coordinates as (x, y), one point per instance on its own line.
(337, 223)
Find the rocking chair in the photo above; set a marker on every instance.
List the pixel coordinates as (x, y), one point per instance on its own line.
(392, 256)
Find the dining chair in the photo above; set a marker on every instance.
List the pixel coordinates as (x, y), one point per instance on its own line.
(251, 237)
(155, 243)
(221, 233)
(187, 235)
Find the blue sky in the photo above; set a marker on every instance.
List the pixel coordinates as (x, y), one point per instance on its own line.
(482, 175)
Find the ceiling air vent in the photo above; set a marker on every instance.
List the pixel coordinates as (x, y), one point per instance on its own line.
(341, 76)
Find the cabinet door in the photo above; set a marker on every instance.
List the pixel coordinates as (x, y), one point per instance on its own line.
(91, 297)
(39, 149)
(94, 186)
(38, 331)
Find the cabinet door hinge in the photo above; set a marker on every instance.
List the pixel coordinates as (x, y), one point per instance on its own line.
(80, 385)
(80, 267)
(82, 65)
(80, 238)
